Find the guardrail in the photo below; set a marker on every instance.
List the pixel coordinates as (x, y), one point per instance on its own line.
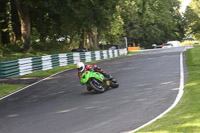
(25, 66)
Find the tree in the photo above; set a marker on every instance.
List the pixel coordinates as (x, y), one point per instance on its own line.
(192, 19)
(15, 22)
(152, 21)
(23, 12)
(93, 17)
(4, 21)
(40, 23)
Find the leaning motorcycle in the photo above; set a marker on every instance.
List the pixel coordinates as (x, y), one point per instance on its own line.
(97, 81)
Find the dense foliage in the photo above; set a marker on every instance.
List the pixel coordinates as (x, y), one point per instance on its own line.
(36, 25)
(153, 21)
(192, 19)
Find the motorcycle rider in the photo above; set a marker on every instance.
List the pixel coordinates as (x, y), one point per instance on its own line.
(82, 68)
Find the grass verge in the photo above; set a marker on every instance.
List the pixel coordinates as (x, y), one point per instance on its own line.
(6, 89)
(14, 56)
(133, 52)
(185, 117)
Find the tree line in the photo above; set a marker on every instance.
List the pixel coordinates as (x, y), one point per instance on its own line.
(192, 19)
(28, 25)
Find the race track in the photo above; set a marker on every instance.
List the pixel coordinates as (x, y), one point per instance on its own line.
(149, 83)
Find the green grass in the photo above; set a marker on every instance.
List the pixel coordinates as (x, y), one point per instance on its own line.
(133, 52)
(185, 117)
(14, 56)
(6, 89)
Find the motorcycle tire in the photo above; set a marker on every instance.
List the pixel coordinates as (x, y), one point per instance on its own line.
(114, 83)
(96, 85)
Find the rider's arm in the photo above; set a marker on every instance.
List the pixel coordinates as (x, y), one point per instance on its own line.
(79, 75)
(98, 69)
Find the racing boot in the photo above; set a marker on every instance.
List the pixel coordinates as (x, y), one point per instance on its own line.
(89, 89)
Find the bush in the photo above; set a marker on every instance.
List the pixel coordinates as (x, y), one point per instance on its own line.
(187, 43)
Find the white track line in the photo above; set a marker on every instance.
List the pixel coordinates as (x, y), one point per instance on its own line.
(180, 94)
(33, 84)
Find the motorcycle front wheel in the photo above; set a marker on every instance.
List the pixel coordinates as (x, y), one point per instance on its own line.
(96, 85)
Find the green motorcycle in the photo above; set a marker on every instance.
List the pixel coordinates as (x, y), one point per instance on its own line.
(97, 81)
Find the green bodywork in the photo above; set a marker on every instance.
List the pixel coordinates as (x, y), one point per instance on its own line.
(91, 74)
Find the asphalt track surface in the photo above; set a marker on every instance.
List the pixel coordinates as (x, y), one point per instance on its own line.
(149, 84)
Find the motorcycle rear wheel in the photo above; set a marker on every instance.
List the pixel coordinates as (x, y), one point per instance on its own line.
(114, 83)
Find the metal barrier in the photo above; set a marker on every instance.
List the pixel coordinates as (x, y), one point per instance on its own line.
(25, 66)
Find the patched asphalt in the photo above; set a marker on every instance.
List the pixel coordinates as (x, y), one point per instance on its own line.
(149, 83)
(20, 81)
